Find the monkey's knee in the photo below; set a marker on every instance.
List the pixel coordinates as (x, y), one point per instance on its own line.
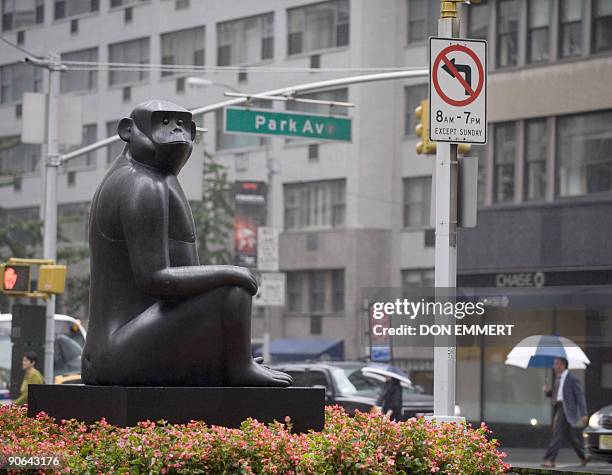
(237, 304)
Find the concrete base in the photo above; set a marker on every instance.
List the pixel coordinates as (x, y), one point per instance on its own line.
(442, 419)
(126, 406)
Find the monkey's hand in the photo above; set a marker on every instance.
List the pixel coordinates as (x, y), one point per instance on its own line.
(244, 278)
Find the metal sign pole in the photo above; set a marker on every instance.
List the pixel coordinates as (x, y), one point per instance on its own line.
(446, 245)
(266, 350)
(50, 202)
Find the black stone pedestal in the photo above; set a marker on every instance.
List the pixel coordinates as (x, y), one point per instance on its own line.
(126, 406)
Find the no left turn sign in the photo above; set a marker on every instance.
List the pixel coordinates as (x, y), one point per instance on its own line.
(457, 90)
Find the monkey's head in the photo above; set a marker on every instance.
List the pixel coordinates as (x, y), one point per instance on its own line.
(159, 134)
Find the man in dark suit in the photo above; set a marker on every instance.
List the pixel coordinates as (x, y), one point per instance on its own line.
(569, 403)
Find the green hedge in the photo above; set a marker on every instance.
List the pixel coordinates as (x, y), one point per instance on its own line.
(365, 443)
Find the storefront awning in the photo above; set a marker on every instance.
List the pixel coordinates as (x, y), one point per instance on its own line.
(538, 297)
(301, 349)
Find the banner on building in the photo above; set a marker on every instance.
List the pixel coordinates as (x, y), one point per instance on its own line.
(251, 210)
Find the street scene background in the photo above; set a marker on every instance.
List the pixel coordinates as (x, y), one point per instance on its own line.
(346, 215)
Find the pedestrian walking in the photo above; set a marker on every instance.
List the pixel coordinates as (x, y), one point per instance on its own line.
(31, 375)
(569, 405)
(390, 399)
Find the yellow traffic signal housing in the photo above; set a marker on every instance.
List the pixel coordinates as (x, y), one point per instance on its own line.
(422, 130)
(425, 146)
(52, 279)
(16, 279)
(464, 148)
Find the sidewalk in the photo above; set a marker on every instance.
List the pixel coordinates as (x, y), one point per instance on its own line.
(566, 461)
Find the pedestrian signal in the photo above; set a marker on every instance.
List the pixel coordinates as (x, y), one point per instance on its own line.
(16, 279)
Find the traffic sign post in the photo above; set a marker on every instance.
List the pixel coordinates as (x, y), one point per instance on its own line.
(271, 292)
(457, 90)
(267, 248)
(457, 115)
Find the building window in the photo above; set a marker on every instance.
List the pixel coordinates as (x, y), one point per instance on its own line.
(313, 152)
(247, 40)
(133, 51)
(90, 135)
(503, 162)
(422, 19)
(114, 149)
(478, 21)
(19, 225)
(413, 95)
(337, 290)
(507, 32)
(20, 13)
(315, 291)
(15, 79)
(316, 325)
(16, 157)
(318, 26)
(538, 31)
(417, 199)
(75, 81)
(295, 290)
(417, 278)
(124, 3)
(583, 148)
(183, 47)
(70, 8)
(602, 25)
(73, 223)
(315, 205)
(570, 28)
(536, 151)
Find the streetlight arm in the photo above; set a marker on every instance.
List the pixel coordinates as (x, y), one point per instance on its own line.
(287, 91)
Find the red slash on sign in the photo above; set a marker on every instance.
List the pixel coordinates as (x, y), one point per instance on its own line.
(452, 69)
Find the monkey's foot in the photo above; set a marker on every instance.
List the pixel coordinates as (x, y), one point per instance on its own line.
(258, 375)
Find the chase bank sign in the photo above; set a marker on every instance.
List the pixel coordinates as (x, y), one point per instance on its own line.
(520, 279)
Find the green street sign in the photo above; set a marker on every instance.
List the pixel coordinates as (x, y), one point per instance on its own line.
(243, 120)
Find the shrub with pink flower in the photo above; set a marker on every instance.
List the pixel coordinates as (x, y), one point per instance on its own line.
(366, 443)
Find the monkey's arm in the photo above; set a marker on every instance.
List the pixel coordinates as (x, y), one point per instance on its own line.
(144, 217)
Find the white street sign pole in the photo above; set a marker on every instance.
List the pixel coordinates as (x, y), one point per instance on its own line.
(445, 251)
(265, 350)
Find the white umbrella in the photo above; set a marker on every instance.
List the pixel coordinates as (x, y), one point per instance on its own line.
(389, 371)
(539, 351)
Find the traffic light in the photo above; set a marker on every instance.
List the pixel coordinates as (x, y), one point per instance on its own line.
(464, 148)
(15, 279)
(52, 279)
(422, 130)
(425, 146)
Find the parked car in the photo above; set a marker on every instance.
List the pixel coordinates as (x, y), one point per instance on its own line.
(348, 386)
(598, 434)
(69, 342)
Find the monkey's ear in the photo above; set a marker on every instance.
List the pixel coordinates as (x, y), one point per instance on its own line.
(125, 129)
(193, 130)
